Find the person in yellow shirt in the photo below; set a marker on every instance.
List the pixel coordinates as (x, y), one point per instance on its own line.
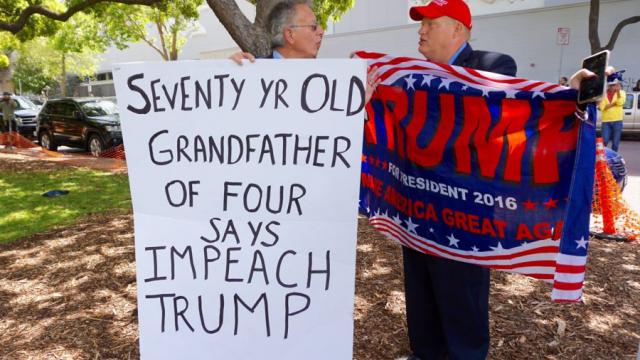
(611, 108)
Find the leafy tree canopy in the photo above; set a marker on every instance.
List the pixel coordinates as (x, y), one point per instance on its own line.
(74, 48)
(164, 27)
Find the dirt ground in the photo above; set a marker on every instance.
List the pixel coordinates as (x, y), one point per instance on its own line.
(70, 293)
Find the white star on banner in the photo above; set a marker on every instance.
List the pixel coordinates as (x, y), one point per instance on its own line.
(445, 83)
(410, 80)
(368, 210)
(582, 243)
(464, 88)
(538, 93)
(397, 220)
(452, 240)
(411, 227)
(386, 213)
(498, 248)
(475, 249)
(377, 212)
(426, 79)
(511, 94)
(485, 92)
(431, 229)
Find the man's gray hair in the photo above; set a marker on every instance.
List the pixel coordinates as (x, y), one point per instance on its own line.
(281, 16)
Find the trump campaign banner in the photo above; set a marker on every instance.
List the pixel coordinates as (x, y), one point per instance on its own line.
(480, 168)
(244, 181)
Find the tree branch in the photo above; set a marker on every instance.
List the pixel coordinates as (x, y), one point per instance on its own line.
(616, 31)
(31, 10)
(594, 15)
(153, 46)
(163, 45)
(263, 7)
(136, 26)
(250, 37)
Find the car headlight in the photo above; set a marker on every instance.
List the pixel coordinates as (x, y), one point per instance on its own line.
(112, 128)
(18, 120)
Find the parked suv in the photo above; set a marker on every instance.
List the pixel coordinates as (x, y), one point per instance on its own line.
(88, 123)
(24, 116)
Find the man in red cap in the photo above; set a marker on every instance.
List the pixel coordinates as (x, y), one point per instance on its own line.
(448, 302)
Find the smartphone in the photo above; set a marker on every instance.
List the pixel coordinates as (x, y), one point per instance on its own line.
(592, 89)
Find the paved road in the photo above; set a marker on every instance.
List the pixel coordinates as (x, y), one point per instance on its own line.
(630, 150)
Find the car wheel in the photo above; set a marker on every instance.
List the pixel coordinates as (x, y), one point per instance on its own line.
(96, 145)
(46, 141)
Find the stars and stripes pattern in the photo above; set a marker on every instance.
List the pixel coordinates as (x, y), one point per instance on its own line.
(414, 71)
(560, 258)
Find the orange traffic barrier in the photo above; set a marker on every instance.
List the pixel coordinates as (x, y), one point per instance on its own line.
(612, 218)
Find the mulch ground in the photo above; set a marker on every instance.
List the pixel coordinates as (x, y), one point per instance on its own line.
(37, 158)
(70, 293)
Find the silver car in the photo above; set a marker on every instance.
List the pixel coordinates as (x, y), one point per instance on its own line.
(631, 114)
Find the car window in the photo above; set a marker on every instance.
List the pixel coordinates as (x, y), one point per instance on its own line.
(46, 108)
(23, 103)
(49, 108)
(628, 103)
(65, 109)
(99, 108)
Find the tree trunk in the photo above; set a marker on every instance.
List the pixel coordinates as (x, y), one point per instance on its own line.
(251, 37)
(173, 54)
(594, 16)
(594, 36)
(63, 78)
(161, 35)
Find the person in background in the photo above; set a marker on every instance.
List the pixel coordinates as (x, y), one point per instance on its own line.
(564, 81)
(637, 87)
(8, 107)
(612, 114)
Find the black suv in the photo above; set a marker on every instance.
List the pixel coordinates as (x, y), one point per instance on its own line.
(88, 123)
(24, 121)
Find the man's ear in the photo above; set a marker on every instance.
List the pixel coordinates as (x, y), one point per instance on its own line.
(460, 30)
(288, 36)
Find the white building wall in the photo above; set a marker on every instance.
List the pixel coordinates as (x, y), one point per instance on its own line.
(525, 29)
(529, 35)
(531, 38)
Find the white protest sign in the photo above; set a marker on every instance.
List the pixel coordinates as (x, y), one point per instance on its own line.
(244, 181)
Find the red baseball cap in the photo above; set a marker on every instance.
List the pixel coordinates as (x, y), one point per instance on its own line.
(455, 9)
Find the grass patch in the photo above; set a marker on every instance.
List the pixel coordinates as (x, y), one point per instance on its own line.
(24, 211)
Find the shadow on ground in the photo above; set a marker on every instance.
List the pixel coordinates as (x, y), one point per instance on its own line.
(70, 294)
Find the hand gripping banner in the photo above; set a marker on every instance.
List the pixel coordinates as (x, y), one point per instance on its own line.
(480, 168)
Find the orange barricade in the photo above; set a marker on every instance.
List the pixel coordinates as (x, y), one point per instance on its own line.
(16, 140)
(611, 217)
(116, 152)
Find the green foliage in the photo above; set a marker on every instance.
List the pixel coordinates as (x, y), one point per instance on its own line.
(35, 66)
(79, 34)
(4, 61)
(8, 42)
(331, 9)
(36, 25)
(25, 211)
(40, 61)
(165, 26)
(327, 9)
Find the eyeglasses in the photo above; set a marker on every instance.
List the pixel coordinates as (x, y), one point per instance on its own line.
(313, 27)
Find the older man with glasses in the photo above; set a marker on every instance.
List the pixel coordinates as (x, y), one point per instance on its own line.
(293, 30)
